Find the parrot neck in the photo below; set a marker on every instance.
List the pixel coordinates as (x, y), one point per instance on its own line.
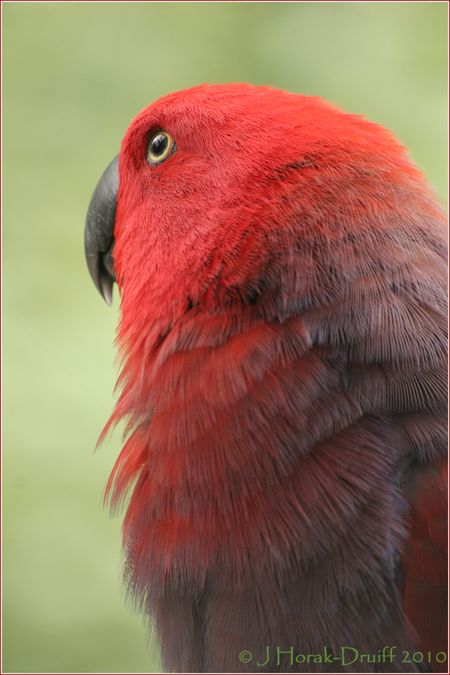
(245, 447)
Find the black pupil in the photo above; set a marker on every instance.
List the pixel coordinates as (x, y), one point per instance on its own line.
(159, 144)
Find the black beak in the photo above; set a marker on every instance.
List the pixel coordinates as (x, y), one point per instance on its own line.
(99, 231)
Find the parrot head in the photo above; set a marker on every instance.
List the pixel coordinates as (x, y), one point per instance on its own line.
(211, 182)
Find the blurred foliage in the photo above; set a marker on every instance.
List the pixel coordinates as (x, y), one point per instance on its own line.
(74, 76)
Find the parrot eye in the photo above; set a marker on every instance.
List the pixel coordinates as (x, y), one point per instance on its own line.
(160, 147)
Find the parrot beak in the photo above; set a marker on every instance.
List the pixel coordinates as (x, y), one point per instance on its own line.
(99, 231)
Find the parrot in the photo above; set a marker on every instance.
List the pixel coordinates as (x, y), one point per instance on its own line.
(282, 271)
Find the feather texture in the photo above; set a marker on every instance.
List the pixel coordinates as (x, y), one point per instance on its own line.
(283, 335)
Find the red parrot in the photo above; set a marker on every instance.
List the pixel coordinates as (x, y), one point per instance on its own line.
(282, 273)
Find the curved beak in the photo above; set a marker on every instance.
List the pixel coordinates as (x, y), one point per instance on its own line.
(99, 231)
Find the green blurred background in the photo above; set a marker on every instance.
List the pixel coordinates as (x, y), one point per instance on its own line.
(74, 76)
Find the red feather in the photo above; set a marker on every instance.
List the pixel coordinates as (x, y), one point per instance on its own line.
(425, 561)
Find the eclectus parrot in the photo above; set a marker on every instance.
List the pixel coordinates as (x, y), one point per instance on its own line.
(282, 275)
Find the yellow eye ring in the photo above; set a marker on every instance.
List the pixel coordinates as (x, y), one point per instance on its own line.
(160, 146)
